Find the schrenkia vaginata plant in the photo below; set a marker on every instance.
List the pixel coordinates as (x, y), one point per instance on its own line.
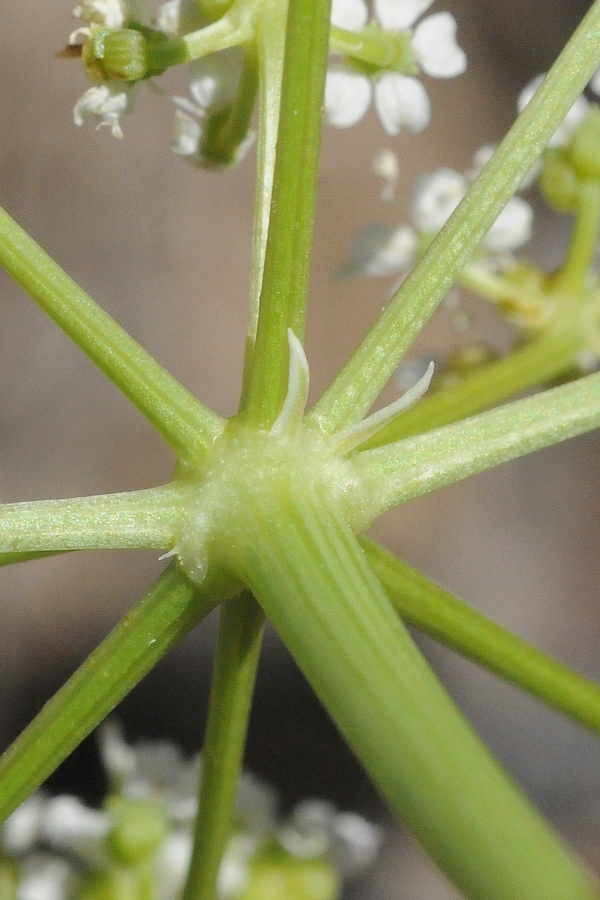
(266, 513)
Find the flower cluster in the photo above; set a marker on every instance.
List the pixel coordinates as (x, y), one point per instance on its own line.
(140, 843)
(400, 99)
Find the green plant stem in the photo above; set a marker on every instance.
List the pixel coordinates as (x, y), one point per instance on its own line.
(167, 612)
(400, 472)
(185, 423)
(537, 362)
(310, 575)
(230, 30)
(375, 47)
(287, 258)
(355, 388)
(132, 520)
(238, 647)
(224, 133)
(442, 616)
(571, 278)
(270, 36)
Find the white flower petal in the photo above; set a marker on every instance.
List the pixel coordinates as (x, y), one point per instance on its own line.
(107, 102)
(572, 120)
(45, 878)
(23, 828)
(70, 825)
(511, 229)
(401, 101)
(347, 97)
(168, 17)
(355, 843)
(186, 134)
(379, 250)
(108, 13)
(214, 79)
(398, 14)
(435, 47)
(436, 197)
(172, 864)
(350, 14)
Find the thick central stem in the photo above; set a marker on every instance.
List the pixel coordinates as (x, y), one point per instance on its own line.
(307, 570)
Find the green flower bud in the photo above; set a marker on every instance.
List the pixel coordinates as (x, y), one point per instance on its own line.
(130, 54)
(584, 148)
(558, 182)
(140, 828)
(274, 875)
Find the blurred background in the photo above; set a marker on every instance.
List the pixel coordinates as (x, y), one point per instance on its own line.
(165, 249)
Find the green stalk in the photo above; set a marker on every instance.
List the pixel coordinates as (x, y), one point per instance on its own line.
(572, 276)
(240, 633)
(397, 473)
(355, 388)
(375, 47)
(537, 362)
(168, 611)
(310, 575)
(443, 616)
(286, 269)
(270, 36)
(224, 132)
(185, 423)
(134, 520)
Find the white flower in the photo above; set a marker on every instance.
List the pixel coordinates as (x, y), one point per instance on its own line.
(379, 250)
(108, 13)
(151, 769)
(72, 826)
(106, 102)
(400, 100)
(511, 229)
(570, 123)
(45, 878)
(350, 14)
(23, 828)
(316, 828)
(436, 197)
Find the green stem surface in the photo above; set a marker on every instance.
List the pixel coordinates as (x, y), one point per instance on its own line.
(131, 520)
(286, 269)
(185, 423)
(533, 364)
(443, 616)
(310, 575)
(236, 661)
(572, 277)
(355, 388)
(163, 616)
(399, 472)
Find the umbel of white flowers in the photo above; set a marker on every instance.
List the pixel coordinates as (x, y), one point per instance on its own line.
(401, 100)
(57, 848)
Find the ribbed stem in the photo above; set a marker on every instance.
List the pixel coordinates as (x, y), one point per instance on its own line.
(236, 660)
(168, 611)
(532, 365)
(396, 473)
(308, 572)
(131, 520)
(444, 617)
(287, 259)
(188, 426)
